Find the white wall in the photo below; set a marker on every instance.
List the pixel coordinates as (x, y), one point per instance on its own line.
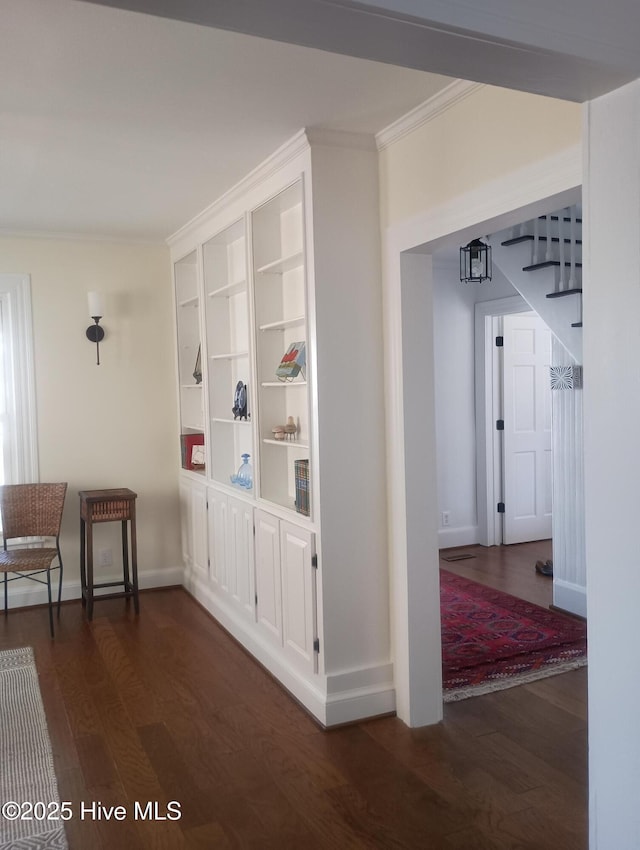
(453, 336)
(611, 211)
(112, 425)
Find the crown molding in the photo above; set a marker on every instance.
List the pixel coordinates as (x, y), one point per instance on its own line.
(449, 96)
(277, 160)
(70, 236)
(341, 139)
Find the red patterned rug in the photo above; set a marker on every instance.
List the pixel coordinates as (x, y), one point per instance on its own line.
(492, 640)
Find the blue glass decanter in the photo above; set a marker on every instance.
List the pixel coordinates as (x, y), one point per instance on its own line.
(244, 475)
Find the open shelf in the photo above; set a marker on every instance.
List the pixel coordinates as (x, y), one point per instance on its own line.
(231, 355)
(283, 264)
(284, 384)
(229, 289)
(229, 347)
(227, 421)
(287, 444)
(189, 302)
(283, 324)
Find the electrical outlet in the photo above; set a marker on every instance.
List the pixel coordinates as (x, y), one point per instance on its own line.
(446, 517)
(105, 558)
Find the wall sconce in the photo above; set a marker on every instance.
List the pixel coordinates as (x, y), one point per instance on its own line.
(95, 333)
(475, 262)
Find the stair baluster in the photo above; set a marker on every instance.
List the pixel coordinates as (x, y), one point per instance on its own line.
(572, 252)
(563, 273)
(548, 228)
(535, 251)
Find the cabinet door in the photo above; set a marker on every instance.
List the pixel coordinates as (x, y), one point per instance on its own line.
(269, 608)
(218, 571)
(241, 560)
(186, 531)
(199, 529)
(298, 595)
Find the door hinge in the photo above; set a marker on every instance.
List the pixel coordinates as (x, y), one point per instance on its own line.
(316, 645)
(256, 596)
(207, 505)
(500, 507)
(499, 341)
(314, 561)
(499, 424)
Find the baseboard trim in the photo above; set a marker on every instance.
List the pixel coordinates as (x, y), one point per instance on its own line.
(332, 700)
(27, 597)
(448, 538)
(571, 598)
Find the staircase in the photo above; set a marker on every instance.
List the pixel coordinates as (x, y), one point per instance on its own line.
(542, 259)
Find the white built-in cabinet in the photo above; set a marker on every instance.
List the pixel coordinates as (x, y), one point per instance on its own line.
(295, 567)
(193, 508)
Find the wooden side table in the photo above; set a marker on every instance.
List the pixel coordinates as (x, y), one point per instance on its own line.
(117, 505)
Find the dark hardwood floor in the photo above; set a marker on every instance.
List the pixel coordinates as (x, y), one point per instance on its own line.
(167, 707)
(507, 568)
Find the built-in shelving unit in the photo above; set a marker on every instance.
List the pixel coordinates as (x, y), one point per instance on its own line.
(189, 346)
(295, 567)
(228, 348)
(280, 316)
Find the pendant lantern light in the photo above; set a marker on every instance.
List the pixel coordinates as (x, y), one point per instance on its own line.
(475, 262)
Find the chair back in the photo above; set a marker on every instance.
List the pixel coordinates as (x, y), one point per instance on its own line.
(32, 510)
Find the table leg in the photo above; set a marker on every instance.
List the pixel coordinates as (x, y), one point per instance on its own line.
(83, 551)
(134, 559)
(125, 554)
(90, 570)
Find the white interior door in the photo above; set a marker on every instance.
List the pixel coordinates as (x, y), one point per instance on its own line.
(527, 429)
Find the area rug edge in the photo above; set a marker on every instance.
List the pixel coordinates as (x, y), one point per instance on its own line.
(21, 689)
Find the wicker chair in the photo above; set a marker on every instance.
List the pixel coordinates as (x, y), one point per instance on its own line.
(32, 510)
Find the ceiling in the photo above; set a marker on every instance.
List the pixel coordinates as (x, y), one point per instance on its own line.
(118, 124)
(576, 49)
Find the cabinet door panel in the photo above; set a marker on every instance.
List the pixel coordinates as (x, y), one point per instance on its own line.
(186, 532)
(199, 529)
(218, 539)
(268, 575)
(241, 559)
(298, 595)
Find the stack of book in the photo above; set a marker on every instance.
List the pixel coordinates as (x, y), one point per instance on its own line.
(302, 486)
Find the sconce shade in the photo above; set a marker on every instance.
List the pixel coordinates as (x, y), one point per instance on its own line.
(475, 262)
(96, 304)
(95, 333)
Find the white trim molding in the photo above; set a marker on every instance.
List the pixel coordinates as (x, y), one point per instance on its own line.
(570, 597)
(21, 449)
(423, 113)
(288, 152)
(448, 538)
(332, 699)
(411, 485)
(27, 594)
